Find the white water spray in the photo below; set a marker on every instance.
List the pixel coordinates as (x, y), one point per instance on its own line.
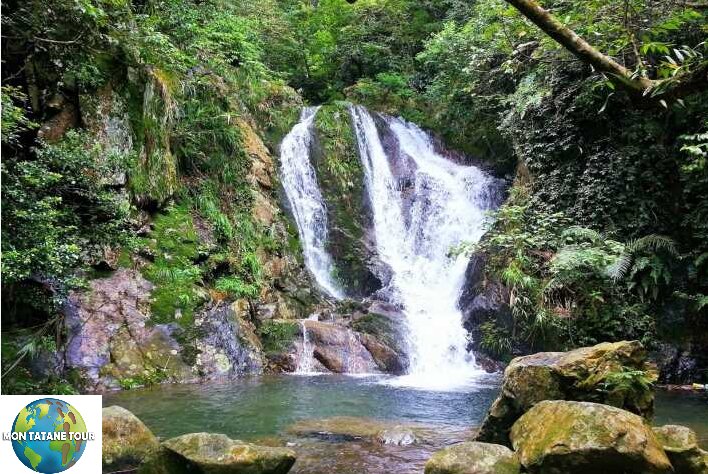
(443, 205)
(306, 202)
(423, 206)
(306, 361)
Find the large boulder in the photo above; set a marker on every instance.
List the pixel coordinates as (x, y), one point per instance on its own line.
(337, 348)
(681, 445)
(557, 436)
(228, 346)
(209, 453)
(127, 442)
(473, 458)
(110, 337)
(583, 374)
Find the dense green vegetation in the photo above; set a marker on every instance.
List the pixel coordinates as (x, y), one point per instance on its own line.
(604, 235)
(167, 98)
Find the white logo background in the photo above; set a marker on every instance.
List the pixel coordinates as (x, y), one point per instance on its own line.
(89, 406)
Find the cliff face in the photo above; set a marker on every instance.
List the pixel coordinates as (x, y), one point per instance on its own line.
(183, 297)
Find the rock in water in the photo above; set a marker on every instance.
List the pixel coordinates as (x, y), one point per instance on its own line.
(210, 453)
(350, 428)
(127, 442)
(586, 438)
(473, 458)
(681, 445)
(579, 375)
(338, 348)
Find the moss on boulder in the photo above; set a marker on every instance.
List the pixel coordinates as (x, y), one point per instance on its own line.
(582, 374)
(473, 458)
(681, 445)
(210, 453)
(127, 442)
(557, 436)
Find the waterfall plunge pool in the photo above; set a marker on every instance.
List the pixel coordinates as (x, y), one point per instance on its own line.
(259, 406)
(262, 408)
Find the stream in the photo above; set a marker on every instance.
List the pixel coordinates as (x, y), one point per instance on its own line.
(263, 408)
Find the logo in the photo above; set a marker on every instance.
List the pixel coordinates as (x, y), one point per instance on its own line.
(49, 436)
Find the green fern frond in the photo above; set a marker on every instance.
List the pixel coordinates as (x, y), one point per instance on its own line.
(581, 233)
(701, 259)
(653, 242)
(702, 302)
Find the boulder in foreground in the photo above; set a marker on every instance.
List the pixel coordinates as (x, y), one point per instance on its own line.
(209, 453)
(473, 458)
(127, 442)
(583, 374)
(586, 438)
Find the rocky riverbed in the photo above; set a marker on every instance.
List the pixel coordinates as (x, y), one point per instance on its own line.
(368, 426)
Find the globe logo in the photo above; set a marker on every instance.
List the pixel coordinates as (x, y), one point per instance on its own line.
(49, 436)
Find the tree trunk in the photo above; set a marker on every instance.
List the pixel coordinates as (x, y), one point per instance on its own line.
(578, 46)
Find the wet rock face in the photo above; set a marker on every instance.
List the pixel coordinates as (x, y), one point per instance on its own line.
(109, 335)
(681, 445)
(228, 346)
(112, 339)
(210, 453)
(586, 438)
(338, 348)
(473, 458)
(127, 442)
(575, 375)
(483, 300)
(340, 175)
(681, 363)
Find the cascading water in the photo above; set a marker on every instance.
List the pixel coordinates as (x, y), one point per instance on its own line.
(423, 205)
(416, 224)
(306, 361)
(306, 202)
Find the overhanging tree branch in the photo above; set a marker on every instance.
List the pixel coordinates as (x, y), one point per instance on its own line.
(571, 41)
(578, 46)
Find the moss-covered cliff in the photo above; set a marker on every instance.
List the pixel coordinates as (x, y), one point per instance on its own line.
(340, 176)
(167, 126)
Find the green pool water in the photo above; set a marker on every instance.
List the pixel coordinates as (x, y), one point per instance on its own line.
(684, 408)
(262, 408)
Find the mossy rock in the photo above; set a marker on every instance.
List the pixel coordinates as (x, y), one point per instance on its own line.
(352, 428)
(558, 436)
(210, 453)
(127, 442)
(340, 175)
(681, 445)
(581, 374)
(473, 458)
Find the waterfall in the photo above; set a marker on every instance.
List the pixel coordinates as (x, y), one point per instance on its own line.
(308, 207)
(306, 361)
(416, 224)
(423, 205)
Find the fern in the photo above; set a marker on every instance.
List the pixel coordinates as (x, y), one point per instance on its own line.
(581, 233)
(649, 243)
(653, 243)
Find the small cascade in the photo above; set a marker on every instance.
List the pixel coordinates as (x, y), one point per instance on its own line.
(306, 358)
(308, 207)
